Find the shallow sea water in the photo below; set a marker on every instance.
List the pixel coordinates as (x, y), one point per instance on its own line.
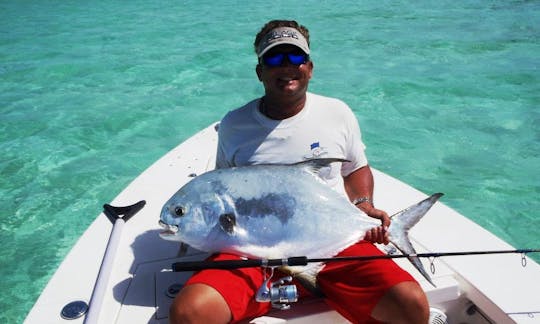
(447, 95)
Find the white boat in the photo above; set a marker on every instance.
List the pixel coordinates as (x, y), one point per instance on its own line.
(494, 288)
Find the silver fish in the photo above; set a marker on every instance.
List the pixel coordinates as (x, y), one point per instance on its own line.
(276, 211)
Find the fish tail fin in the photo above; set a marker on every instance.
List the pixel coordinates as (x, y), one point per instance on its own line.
(399, 230)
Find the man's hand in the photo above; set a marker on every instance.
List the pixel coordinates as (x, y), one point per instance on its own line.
(377, 234)
(360, 184)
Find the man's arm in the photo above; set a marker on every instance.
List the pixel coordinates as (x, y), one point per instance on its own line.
(358, 185)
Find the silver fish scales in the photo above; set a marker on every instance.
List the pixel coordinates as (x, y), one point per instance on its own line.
(276, 211)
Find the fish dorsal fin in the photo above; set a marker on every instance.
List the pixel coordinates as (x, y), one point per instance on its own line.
(315, 165)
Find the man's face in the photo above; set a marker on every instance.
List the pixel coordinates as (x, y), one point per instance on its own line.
(287, 79)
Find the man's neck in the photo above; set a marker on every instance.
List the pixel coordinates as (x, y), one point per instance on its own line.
(279, 109)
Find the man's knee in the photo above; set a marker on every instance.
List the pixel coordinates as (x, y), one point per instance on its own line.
(199, 303)
(414, 300)
(405, 302)
(419, 301)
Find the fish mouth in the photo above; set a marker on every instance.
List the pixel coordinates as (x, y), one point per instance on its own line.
(169, 230)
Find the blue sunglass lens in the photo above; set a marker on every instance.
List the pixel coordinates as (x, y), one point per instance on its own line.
(297, 59)
(277, 59)
(274, 60)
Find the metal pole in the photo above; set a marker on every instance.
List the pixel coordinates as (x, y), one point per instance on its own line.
(96, 301)
(102, 280)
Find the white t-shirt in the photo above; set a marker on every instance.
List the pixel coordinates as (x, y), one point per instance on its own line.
(325, 128)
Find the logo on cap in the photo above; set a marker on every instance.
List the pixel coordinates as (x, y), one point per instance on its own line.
(283, 35)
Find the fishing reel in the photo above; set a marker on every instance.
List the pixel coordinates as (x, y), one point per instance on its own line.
(277, 293)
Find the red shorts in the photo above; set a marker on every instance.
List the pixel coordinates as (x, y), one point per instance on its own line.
(353, 288)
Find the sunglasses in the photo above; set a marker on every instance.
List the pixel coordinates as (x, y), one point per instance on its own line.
(276, 59)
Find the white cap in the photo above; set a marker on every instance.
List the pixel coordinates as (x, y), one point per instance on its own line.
(282, 36)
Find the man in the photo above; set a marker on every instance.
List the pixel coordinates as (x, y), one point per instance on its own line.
(287, 125)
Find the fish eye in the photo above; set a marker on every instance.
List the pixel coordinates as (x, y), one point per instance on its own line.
(179, 211)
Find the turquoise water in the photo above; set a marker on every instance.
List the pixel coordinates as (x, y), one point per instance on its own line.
(447, 94)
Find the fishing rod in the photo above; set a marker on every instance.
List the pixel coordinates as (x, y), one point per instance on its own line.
(303, 260)
(280, 294)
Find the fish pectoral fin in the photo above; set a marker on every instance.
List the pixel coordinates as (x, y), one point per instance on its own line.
(227, 222)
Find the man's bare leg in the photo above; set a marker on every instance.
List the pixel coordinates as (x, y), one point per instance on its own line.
(199, 303)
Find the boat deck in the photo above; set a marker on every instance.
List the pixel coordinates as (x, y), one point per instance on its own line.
(479, 289)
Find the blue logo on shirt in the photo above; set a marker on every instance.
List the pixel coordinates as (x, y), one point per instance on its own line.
(316, 151)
